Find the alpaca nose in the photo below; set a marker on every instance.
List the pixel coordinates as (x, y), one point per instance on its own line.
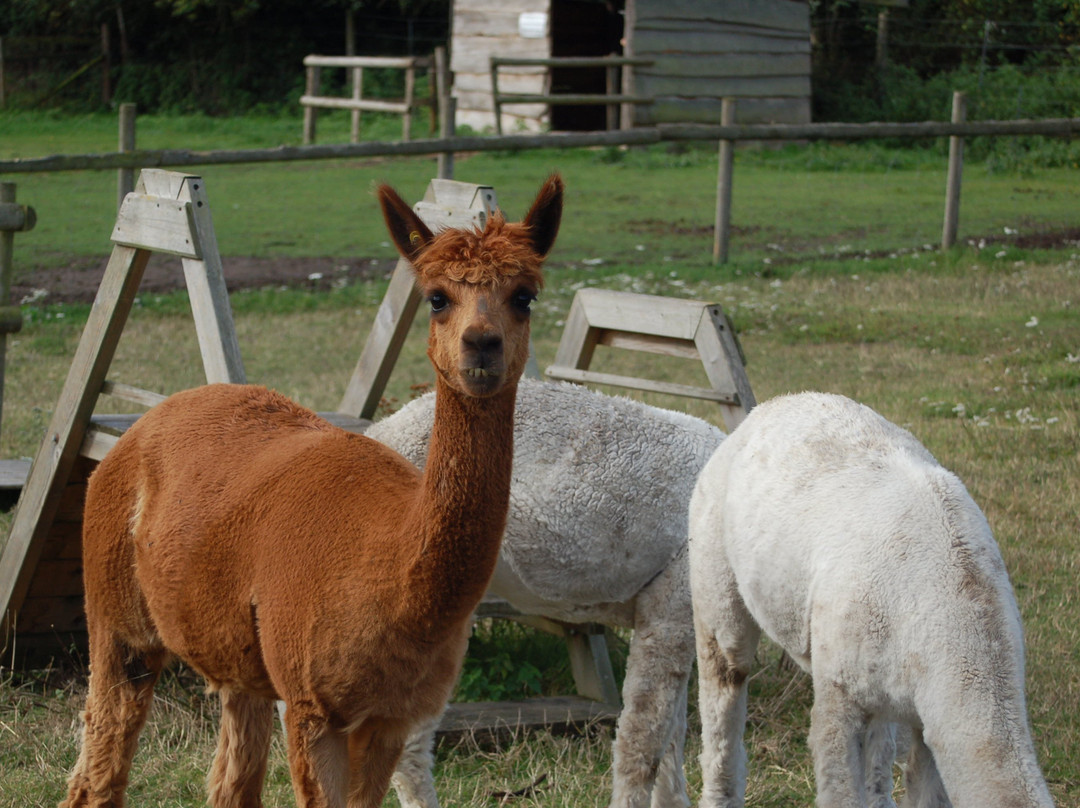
(482, 340)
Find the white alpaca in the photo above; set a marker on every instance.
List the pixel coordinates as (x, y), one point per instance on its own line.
(838, 533)
(596, 533)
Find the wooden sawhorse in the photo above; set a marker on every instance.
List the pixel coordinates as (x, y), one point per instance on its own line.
(662, 325)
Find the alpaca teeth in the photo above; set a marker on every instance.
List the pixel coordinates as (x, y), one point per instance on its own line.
(479, 373)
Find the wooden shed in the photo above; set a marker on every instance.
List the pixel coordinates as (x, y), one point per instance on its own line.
(702, 50)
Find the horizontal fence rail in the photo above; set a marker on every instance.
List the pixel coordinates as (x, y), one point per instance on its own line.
(161, 158)
(609, 98)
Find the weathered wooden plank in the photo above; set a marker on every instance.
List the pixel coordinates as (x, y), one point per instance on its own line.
(724, 363)
(364, 104)
(654, 42)
(478, 101)
(58, 452)
(785, 15)
(568, 61)
(366, 61)
(532, 82)
(492, 22)
(514, 7)
(635, 383)
(578, 342)
(720, 67)
(136, 395)
(487, 722)
(13, 473)
(573, 99)
(794, 86)
(471, 53)
(750, 111)
(646, 314)
(665, 346)
(152, 223)
(97, 443)
(209, 298)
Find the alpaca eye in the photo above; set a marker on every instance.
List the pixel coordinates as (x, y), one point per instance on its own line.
(438, 301)
(522, 300)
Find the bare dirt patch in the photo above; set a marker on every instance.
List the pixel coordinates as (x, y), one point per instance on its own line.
(78, 282)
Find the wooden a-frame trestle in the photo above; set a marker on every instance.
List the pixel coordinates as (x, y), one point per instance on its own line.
(167, 213)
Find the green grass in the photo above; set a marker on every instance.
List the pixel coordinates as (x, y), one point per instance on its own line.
(647, 208)
(978, 354)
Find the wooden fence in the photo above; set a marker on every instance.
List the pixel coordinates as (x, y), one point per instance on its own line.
(311, 101)
(726, 134)
(609, 98)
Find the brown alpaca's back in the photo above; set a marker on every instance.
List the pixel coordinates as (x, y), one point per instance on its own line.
(205, 527)
(283, 557)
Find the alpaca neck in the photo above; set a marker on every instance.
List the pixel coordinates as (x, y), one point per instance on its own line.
(462, 506)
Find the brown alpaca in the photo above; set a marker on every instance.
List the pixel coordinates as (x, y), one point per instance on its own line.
(282, 557)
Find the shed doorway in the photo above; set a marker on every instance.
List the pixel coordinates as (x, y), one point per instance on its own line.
(583, 28)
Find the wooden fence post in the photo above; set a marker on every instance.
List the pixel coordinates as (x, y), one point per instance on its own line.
(445, 160)
(13, 218)
(611, 73)
(410, 87)
(125, 177)
(495, 104)
(955, 175)
(357, 93)
(447, 113)
(311, 87)
(722, 230)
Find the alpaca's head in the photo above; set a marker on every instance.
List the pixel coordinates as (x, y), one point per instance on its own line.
(480, 284)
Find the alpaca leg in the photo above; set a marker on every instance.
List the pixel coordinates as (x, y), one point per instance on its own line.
(412, 780)
(921, 779)
(119, 698)
(374, 750)
(670, 787)
(726, 637)
(318, 759)
(880, 754)
(236, 779)
(837, 736)
(657, 670)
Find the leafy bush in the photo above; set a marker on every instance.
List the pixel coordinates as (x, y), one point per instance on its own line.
(510, 661)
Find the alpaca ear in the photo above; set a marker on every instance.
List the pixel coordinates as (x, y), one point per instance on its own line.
(544, 215)
(410, 235)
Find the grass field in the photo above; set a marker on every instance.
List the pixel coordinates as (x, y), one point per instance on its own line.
(976, 351)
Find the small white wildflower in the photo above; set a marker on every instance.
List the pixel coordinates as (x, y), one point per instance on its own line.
(1000, 254)
(1070, 358)
(1010, 231)
(315, 276)
(1034, 321)
(1052, 420)
(592, 262)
